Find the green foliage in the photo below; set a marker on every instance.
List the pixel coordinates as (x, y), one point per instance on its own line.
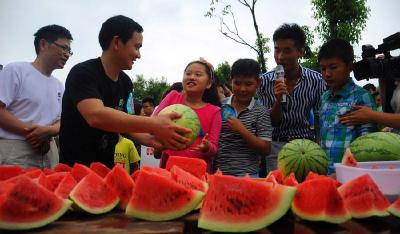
(223, 72)
(152, 87)
(341, 18)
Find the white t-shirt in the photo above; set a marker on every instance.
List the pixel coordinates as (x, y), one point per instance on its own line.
(29, 95)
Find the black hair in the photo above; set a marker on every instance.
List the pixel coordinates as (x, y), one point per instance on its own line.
(337, 48)
(370, 87)
(120, 26)
(245, 67)
(293, 32)
(210, 95)
(148, 99)
(175, 86)
(50, 33)
(138, 108)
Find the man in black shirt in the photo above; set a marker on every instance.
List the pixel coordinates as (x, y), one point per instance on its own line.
(94, 101)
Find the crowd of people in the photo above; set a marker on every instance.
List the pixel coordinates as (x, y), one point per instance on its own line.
(243, 127)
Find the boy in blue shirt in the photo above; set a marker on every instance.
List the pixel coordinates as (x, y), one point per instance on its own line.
(336, 60)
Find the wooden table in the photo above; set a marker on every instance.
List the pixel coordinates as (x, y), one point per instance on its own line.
(118, 222)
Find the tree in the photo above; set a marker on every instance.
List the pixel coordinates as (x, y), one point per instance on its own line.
(231, 31)
(343, 19)
(223, 72)
(153, 87)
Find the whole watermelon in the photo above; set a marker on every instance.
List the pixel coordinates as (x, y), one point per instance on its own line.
(377, 146)
(188, 120)
(302, 156)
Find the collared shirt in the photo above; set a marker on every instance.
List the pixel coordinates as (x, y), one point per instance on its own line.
(305, 97)
(235, 157)
(335, 136)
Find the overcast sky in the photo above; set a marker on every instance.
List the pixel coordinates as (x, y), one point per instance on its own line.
(175, 31)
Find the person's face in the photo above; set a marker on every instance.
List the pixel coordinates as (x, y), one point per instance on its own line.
(287, 54)
(130, 51)
(244, 87)
(147, 108)
(195, 78)
(221, 93)
(378, 100)
(56, 53)
(335, 72)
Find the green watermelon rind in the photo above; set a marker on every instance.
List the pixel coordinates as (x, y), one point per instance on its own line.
(394, 209)
(196, 198)
(289, 159)
(377, 146)
(31, 225)
(269, 218)
(191, 120)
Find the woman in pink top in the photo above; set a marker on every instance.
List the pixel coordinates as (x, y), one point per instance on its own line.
(199, 93)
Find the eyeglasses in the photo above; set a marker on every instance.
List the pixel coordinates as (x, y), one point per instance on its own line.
(63, 47)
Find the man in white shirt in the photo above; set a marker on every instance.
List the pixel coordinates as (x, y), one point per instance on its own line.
(30, 102)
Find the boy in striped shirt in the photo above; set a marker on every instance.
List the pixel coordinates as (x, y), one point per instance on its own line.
(246, 126)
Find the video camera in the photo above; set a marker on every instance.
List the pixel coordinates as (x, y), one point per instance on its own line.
(378, 63)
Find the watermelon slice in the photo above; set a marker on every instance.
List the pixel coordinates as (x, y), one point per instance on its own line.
(349, 159)
(312, 175)
(54, 179)
(275, 175)
(65, 186)
(79, 171)
(26, 205)
(290, 180)
(195, 166)
(157, 198)
(93, 195)
(62, 167)
(234, 204)
(188, 180)
(101, 169)
(319, 200)
(119, 180)
(33, 172)
(394, 208)
(47, 171)
(363, 198)
(7, 172)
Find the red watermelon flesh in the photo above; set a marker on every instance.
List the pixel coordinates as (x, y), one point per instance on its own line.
(65, 186)
(79, 171)
(394, 208)
(33, 172)
(26, 205)
(188, 180)
(157, 170)
(311, 176)
(62, 167)
(290, 180)
(195, 166)
(158, 198)
(277, 175)
(101, 169)
(47, 171)
(7, 172)
(319, 200)
(42, 180)
(363, 198)
(119, 180)
(349, 159)
(54, 179)
(234, 204)
(93, 195)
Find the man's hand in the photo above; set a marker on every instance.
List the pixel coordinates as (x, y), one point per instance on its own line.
(38, 136)
(279, 89)
(358, 115)
(169, 133)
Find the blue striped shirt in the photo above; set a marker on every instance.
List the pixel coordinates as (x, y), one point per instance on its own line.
(305, 97)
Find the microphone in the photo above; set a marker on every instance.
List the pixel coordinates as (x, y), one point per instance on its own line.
(280, 75)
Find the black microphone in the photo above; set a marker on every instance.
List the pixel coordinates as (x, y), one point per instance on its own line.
(280, 75)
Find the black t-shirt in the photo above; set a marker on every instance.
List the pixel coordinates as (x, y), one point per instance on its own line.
(78, 141)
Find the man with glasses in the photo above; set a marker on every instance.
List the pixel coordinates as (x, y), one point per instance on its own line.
(30, 102)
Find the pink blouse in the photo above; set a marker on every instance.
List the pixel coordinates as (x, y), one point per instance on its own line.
(210, 121)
